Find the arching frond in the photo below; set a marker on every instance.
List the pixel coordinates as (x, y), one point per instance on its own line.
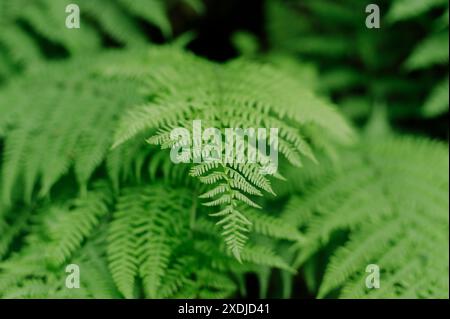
(394, 203)
(238, 95)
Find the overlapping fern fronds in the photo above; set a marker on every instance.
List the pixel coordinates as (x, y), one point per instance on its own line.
(69, 125)
(64, 138)
(35, 29)
(393, 201)
(145, 244)
(186, 88)
(81, 184)
(73, 118)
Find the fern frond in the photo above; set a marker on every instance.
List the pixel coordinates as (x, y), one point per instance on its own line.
(122, 246)
(394, 203)
(26, 24)
(188, 86)
(71, 227)
(140, 244)
(357, 252)
(68, 125)
(97, 282)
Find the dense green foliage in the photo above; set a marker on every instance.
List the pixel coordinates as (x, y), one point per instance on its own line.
(86, 176)
(396, 210)
(34, 30)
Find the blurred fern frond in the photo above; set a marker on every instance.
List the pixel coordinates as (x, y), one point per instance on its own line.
(430, 52)
(35, 29)
(393, 201)
(333, 36)
(69, 125)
